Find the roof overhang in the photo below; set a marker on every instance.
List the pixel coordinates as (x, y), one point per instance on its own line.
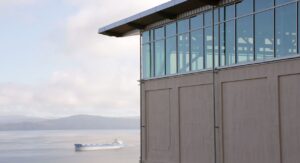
(168, 10)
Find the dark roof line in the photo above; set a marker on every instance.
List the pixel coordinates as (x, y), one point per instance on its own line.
(168, 10)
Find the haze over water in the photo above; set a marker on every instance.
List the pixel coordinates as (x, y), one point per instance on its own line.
(58, 146)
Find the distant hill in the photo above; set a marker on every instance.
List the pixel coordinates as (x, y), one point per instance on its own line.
(78, 122)
(19, 119)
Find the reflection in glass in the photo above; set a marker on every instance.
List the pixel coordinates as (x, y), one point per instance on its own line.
(222, 45)
(146, 59)
(286, 30)
(152, 59)
(151, 35)
(197, 50)
(230, 42)
(216, 16)
(183, 53)
(263, 4)
(208, 18)
(244, 7)
(222, 14)
(208, 47)
(145, 37)
(216, 45)
(171, 29)
(230, 12)
(244, 37)
(183, 26)
(159, 33)
(277, 2)
(159, 58)
(197, 22)
(264, 35)
(171, 60)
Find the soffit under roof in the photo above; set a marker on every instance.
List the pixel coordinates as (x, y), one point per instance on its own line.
(168, 10)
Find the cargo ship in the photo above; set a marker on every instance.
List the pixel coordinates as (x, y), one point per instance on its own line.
(116, 144)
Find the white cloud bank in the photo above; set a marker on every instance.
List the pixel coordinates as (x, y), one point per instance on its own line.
(105, 80)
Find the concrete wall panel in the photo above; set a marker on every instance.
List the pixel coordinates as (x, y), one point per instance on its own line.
(290, 117)
(257, 110)
(196, 124)
(249, 127)
(158, 119)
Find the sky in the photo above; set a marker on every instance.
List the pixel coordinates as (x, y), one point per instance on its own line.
(54, 64)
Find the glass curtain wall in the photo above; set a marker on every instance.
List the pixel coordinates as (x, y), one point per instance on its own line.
(159, 52)
(171, 49)
(208, 35)
(216, 38)
(146, 55)
(197, 44)
(183, 46)
(247, 31)
(286, 30)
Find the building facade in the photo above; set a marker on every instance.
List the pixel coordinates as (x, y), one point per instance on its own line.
(220, 80)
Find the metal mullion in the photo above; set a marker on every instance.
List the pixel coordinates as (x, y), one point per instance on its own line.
(214, 87)
(190, 46)
(254, 31)
(225, 28)
(203, 50)
(165, 49)
(177, 53)
(213, 39)
(235, 35)
(274, 32)
(298, 43)
(219, 43)
(219, 38)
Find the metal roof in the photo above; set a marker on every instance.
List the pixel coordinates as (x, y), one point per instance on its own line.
(168, 10)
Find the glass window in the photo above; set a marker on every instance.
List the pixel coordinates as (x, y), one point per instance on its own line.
(216, 16)
(170, 29)
(222, 44)
(197, 50)
(145, 37)
(151, 35)
(146, 60)
(286, 30)
(244, 32)
(208, 47)
(277, 2)
(264, 35)
(159, 33)
(183, 53)
(230, 12)
(222, 14)
(197, 22)
(159, 58)
(216, 44)
(208, 18)
(245, 7)
(263, 4)
(152, 59)
(171, 56)
(230, 42)
(183, 26)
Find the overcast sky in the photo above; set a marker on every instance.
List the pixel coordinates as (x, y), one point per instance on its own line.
(53, 63)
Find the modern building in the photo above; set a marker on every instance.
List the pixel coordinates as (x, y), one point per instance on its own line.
(220, 80)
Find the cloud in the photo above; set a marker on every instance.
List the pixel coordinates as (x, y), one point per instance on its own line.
(74, 92)
(5, 3)
(104, 79)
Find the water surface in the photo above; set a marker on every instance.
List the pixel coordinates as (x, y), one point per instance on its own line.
(58, 146)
